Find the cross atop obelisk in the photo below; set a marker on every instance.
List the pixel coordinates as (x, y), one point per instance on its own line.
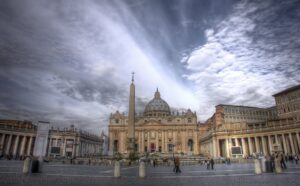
(132, 78)
(131, 116)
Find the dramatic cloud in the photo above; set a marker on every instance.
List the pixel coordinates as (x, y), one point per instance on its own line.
(70, 62)
(252, 54)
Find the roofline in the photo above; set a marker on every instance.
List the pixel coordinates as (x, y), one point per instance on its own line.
(290, 89)
(241, 106)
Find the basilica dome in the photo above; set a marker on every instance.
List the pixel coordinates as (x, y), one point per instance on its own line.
(157, 106)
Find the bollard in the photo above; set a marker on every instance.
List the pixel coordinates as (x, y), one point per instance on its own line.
(26, 166)
(263, 164)
(142, 171)
(257, 166)
(41, 162)
(117, 169)
(278, 168)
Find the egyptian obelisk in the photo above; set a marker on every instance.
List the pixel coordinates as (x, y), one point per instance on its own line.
(131, 116)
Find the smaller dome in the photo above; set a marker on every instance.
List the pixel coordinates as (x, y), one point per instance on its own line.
(157, 106)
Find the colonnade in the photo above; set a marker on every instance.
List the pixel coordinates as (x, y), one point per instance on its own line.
(16, 145)
(76, 148)
(288, 142)
(87, 148)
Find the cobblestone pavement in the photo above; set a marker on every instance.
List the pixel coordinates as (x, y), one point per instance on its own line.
(62, 174)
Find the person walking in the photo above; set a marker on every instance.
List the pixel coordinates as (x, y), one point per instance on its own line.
(282, 161)
(177, 165)
(296, 159)
(154, 162)
(272, 160)
(174, 169)
(212, 163)
(208, 164)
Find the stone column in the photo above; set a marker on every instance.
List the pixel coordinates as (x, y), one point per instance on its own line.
(292, 143)
(270, 144)
(218, 147)
(8, 144)
(86, 148)
(64, 148)
(77, 149)
(121, 142)
(167, 141)
(2, 144)
(174, 142)
(183, 142)
(227, 147)
(23, 146)
(49, 146)
(264, 145)
(256, 144)
(16, 146)
(236, 142)
(156, 138)
(29, 145)
(81, 149)
(162, 141)
(214, 147)
(111, 143)
(74, 148)
(250, 146)
(140, 141)
(143, 141)
(276, 139)
(2, 139)
(196, 144)
(284, 144)
(230, 146)
(148, 141)
(244, 147)
(298, 140)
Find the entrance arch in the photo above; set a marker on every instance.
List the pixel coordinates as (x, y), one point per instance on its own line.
(190, 145)
(115, 148)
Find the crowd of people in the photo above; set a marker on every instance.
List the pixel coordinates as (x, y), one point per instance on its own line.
(11, 157)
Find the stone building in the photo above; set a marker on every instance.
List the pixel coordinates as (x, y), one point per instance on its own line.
(157, 129)
(235, 131)
(17, 138)
(288, 102)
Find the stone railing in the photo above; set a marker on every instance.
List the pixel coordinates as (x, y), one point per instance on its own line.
(268, 126)
(16, 129)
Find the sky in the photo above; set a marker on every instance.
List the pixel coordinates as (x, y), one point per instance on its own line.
(70, 61)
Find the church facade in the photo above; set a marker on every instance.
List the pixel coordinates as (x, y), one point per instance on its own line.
(156, 130)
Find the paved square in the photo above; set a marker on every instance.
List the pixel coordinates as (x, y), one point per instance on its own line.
(61, 174)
